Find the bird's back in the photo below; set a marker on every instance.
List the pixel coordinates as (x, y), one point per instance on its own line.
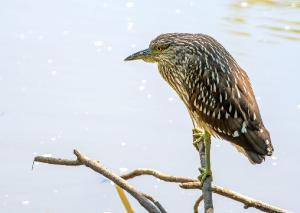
(218, 94)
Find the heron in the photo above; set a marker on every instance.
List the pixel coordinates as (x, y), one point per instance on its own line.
(216, 91)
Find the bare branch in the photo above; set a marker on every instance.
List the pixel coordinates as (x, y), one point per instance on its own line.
(147, 201)
(159, 175)
(57, 161)
(97, 167)
(124, 199)
(189, 183)
(247, 201)
(197, 204)
(161, 208)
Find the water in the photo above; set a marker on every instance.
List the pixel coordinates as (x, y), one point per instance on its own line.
(64, 85)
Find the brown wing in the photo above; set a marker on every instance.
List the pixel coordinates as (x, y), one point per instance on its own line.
(225, 101)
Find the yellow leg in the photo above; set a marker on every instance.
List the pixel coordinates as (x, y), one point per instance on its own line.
(200, 136)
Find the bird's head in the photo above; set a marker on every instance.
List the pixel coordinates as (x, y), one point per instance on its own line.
(166, 48)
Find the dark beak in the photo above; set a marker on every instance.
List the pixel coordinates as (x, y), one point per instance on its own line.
(144, 54)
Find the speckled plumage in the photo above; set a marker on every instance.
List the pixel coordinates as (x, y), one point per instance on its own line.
(215, 89)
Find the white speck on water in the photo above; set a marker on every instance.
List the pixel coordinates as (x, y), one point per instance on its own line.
(123, 169)
(130, 26)
(170, 121)
(106, 212)
(6, 195)
(141, 88)
(109, 48)
(40, 37)
(298, 106)
(65, 33)
(55, 191)
(129, 4)
(53, 72)
(192, 3)
(144, 81)
(98, 43)
(123, 143)
(177, 11)
(155, 186)
(244, 4)
(22, 36)
(274, 157)
(53, 139)
(287, 27)
(103, 5)
(23, 89)
(133, 46)
(274, 163)
(25, 202)
(170, 99)
(149, 96)
(47, 155)
(112, 183)
(50, 61)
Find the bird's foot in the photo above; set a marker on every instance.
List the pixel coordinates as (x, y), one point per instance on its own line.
(198, 137)
(204, 173)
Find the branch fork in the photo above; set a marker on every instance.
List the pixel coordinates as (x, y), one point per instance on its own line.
(147, 201)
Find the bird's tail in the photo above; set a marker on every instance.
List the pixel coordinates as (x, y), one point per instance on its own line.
(254, 158)
(261, 145)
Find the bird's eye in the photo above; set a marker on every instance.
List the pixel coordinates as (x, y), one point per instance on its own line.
(159, 48)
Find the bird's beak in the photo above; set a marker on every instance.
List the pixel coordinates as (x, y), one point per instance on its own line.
(146, 55)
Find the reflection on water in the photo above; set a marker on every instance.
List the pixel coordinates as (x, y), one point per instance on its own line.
(275, 19)
(270, 3)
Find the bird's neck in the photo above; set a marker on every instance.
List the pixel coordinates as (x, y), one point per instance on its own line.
(175, 78)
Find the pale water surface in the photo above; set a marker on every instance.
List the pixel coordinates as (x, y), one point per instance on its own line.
(64, 85)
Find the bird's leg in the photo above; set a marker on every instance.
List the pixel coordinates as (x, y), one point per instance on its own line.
(206, 171)
(200, 136)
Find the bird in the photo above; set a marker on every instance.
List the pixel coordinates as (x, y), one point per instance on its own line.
(216, 91)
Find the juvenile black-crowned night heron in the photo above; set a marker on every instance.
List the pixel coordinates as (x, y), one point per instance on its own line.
(215, 89)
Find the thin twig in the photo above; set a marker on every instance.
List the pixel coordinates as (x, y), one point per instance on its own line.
(158, 205)
(184, 182)
(97, 167)
(247, 201)
(197, 203)
(155, 173)
(56, 161)
(189, 183)
(124, 199)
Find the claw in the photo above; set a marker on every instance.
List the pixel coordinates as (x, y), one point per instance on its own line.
(204, 174)
(198, 136)
(202, 136)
